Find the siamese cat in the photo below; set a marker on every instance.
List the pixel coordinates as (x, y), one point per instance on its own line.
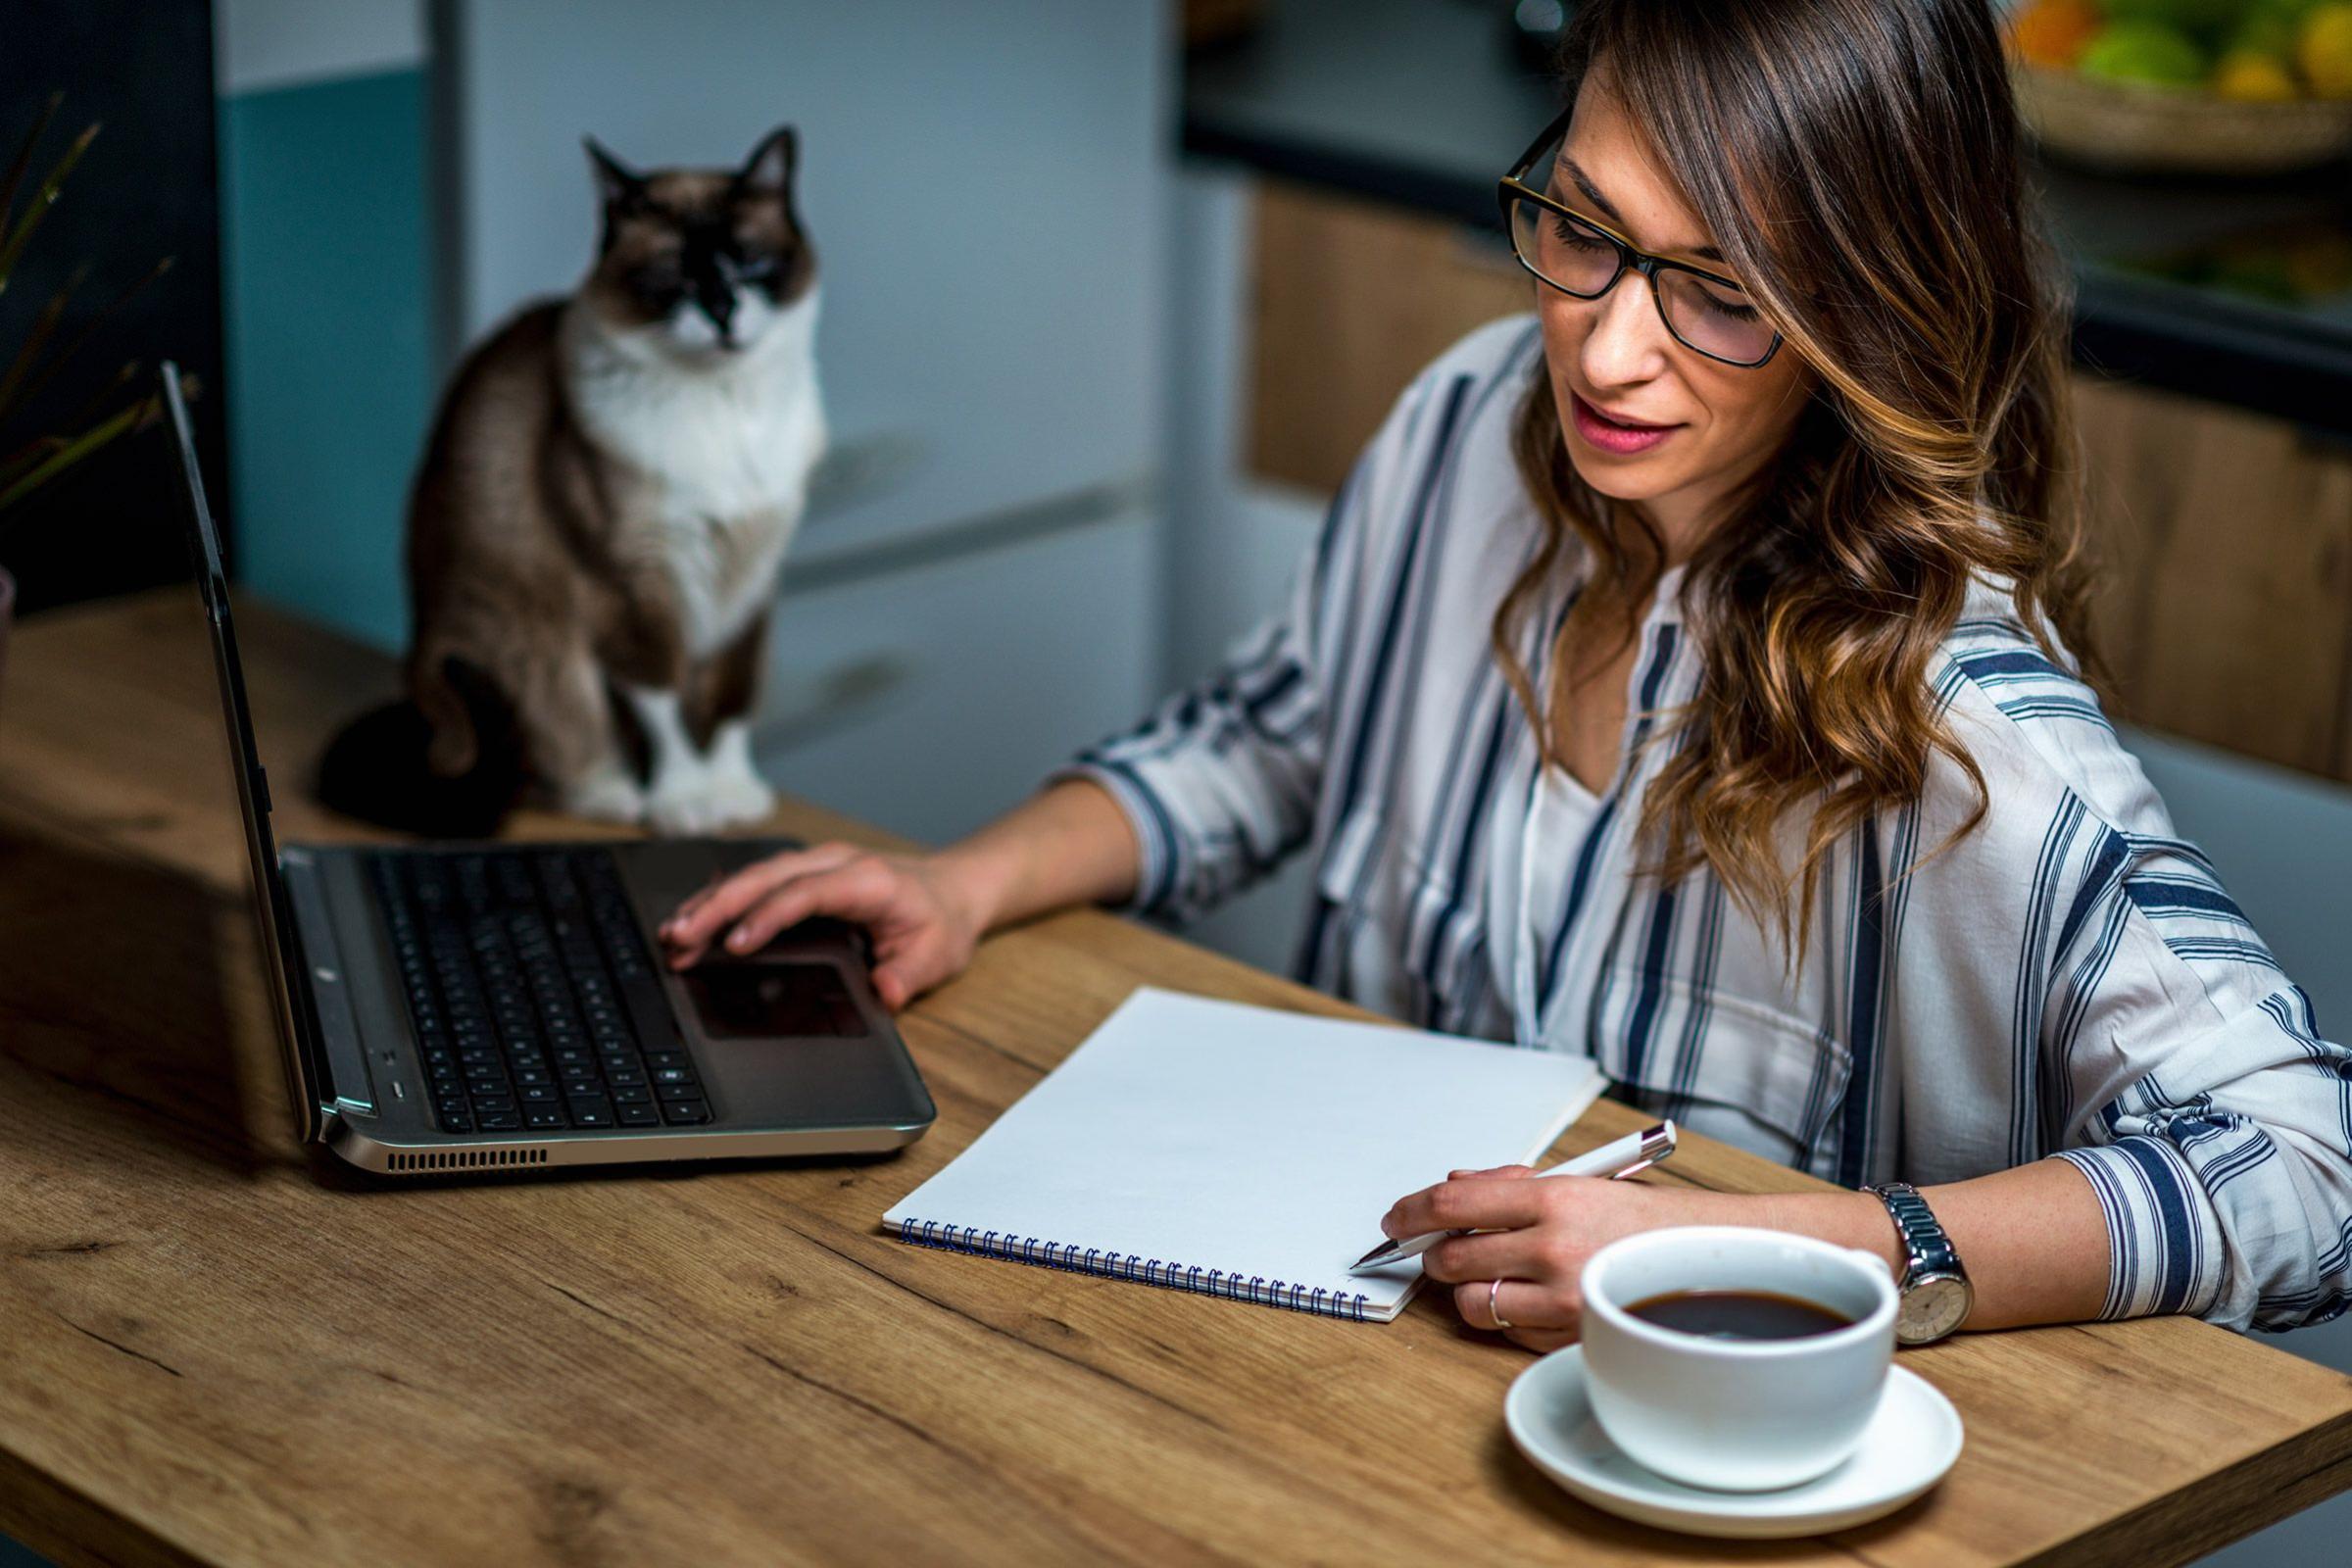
(597, 528)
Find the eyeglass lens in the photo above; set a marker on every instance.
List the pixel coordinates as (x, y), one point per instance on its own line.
(1582, 261)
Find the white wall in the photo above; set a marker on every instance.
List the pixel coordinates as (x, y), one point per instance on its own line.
(260, 44)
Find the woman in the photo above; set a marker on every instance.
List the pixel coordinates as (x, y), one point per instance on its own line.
(1691, 677)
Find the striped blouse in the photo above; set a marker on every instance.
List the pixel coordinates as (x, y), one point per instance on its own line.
(2070, 979)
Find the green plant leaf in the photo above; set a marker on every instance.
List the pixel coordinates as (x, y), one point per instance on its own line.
(38, 207)
(16, 170)
(26, 458)
(36, 338)
(12, 398)
(76, 450)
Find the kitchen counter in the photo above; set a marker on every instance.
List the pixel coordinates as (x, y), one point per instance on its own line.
(2237, 291)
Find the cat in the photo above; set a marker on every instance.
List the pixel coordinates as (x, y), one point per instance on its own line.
(597, 528)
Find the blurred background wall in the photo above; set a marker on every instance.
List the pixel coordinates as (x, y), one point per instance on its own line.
(328, 250)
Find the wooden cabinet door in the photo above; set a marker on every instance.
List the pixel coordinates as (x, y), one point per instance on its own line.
(2224, 542)
(1352, 299)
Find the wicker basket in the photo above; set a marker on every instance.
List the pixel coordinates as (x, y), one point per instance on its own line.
(2122, 125)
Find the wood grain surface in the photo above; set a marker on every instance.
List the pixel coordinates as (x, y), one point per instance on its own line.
(225, 1350)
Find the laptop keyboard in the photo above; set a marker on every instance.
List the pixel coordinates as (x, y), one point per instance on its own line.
(534, 1000)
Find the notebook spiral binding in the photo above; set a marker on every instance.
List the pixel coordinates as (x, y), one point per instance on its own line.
(1321, 1301)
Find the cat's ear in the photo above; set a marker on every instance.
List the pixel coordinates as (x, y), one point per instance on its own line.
(773, 160)
(616, 182)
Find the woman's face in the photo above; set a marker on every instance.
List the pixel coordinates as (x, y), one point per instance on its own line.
(1699, 428)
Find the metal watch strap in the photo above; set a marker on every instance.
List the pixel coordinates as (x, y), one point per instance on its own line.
(1930, 1251)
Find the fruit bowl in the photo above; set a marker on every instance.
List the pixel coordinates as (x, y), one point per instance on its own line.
(2133, 126)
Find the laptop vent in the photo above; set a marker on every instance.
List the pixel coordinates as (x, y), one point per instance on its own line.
(469, 1158)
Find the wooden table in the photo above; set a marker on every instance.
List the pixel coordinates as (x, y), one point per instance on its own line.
(221, 1349)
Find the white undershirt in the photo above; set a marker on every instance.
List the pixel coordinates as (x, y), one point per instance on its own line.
(1559, 812)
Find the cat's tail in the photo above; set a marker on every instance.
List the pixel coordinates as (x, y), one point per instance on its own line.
(387, 766)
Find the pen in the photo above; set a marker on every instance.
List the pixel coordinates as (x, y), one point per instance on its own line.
(1628, 1155)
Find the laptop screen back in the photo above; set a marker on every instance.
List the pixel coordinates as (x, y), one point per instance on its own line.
(298, 1042)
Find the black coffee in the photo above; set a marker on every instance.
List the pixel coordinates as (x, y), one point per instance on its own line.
(1739, 1314)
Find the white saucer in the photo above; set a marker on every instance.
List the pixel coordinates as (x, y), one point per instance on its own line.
(1905, 1450)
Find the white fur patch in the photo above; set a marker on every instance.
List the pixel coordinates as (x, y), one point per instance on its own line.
(726, 439)
(690, 792)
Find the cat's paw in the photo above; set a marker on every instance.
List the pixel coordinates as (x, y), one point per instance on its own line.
(606, 794)
(740, 796)
(708, 803)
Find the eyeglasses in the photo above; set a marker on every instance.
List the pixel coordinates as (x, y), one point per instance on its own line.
(1707, 312)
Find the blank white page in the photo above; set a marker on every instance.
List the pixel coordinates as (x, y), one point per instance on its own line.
(1240, 1150)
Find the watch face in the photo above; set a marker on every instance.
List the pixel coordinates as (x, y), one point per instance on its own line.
(1931, 1308)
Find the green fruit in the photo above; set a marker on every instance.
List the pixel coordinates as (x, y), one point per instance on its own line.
(2144, 52)
(2208, 19)
(2262, 32)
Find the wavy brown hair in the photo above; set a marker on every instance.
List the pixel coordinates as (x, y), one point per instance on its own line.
(1856, 163)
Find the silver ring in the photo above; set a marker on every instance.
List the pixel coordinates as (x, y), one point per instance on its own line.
(1493, 1312)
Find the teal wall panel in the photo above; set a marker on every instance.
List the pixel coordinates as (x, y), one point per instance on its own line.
(328, 268)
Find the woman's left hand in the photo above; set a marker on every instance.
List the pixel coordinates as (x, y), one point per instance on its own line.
(1534, 1236)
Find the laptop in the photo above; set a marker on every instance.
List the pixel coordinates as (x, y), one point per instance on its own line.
(495, 1007)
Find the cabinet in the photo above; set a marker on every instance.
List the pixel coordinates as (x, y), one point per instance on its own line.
(2225, 538)
(932, 698)
(2226, 598)
(1350, 300)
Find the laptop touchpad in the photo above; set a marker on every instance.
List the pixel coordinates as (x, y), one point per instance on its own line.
(772, 1001)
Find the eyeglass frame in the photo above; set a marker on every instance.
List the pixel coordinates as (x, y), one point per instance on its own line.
(1513, 187)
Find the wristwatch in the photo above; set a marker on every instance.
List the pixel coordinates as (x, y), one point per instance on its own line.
(1936, 1292)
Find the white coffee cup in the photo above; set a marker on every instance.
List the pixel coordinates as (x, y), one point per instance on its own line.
(1736, 1415)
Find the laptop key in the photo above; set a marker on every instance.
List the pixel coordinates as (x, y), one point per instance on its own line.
(532, 994)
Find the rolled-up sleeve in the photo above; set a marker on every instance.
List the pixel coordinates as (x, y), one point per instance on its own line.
(1220, 782)
(2210, 1117)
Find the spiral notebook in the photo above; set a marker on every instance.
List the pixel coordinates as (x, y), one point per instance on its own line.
(1241, 1152)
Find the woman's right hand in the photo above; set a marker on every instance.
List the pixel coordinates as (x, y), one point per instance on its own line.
(923, 923)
